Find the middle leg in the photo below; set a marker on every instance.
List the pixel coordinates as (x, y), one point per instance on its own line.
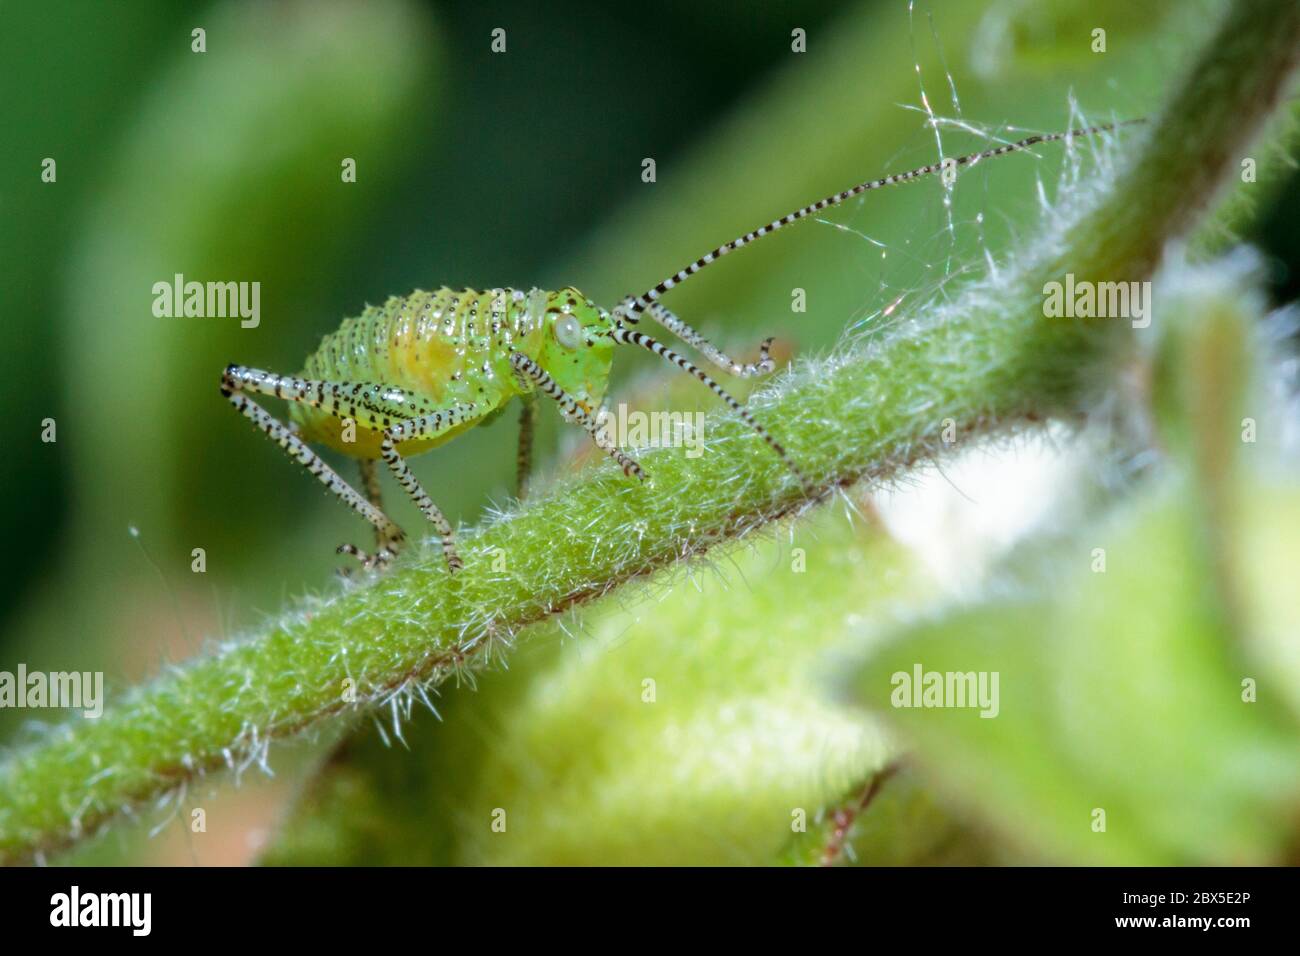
(426, 426)
(524, 458)
(386, 547)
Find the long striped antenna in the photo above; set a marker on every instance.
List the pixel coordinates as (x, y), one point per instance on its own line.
(629, 311)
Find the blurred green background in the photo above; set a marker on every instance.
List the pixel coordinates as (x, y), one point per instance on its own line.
(474, 168)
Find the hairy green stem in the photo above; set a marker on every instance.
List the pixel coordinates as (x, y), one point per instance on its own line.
(987, 361)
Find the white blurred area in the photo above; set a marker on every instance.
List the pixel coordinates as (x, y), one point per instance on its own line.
(962, 515)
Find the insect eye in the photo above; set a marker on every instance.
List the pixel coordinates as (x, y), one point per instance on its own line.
(568, 331)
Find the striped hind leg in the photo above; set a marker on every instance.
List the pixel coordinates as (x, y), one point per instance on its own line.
(233, 386)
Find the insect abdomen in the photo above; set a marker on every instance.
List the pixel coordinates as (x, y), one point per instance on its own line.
(421, 341)
(446, 346)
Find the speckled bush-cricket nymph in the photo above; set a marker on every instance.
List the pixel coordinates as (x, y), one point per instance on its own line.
(409, 375)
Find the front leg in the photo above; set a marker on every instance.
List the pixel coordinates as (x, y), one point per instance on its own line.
(719, 358)
(538, 377)
(386, 548)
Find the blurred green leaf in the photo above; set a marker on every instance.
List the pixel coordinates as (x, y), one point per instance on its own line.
(1118, 693)
(1143, 671)
(231, 172)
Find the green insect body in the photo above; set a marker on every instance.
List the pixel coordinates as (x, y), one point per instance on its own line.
(451, 348)
(419, 370)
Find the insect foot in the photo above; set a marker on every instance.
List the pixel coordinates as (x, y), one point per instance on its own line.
(378, 561)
